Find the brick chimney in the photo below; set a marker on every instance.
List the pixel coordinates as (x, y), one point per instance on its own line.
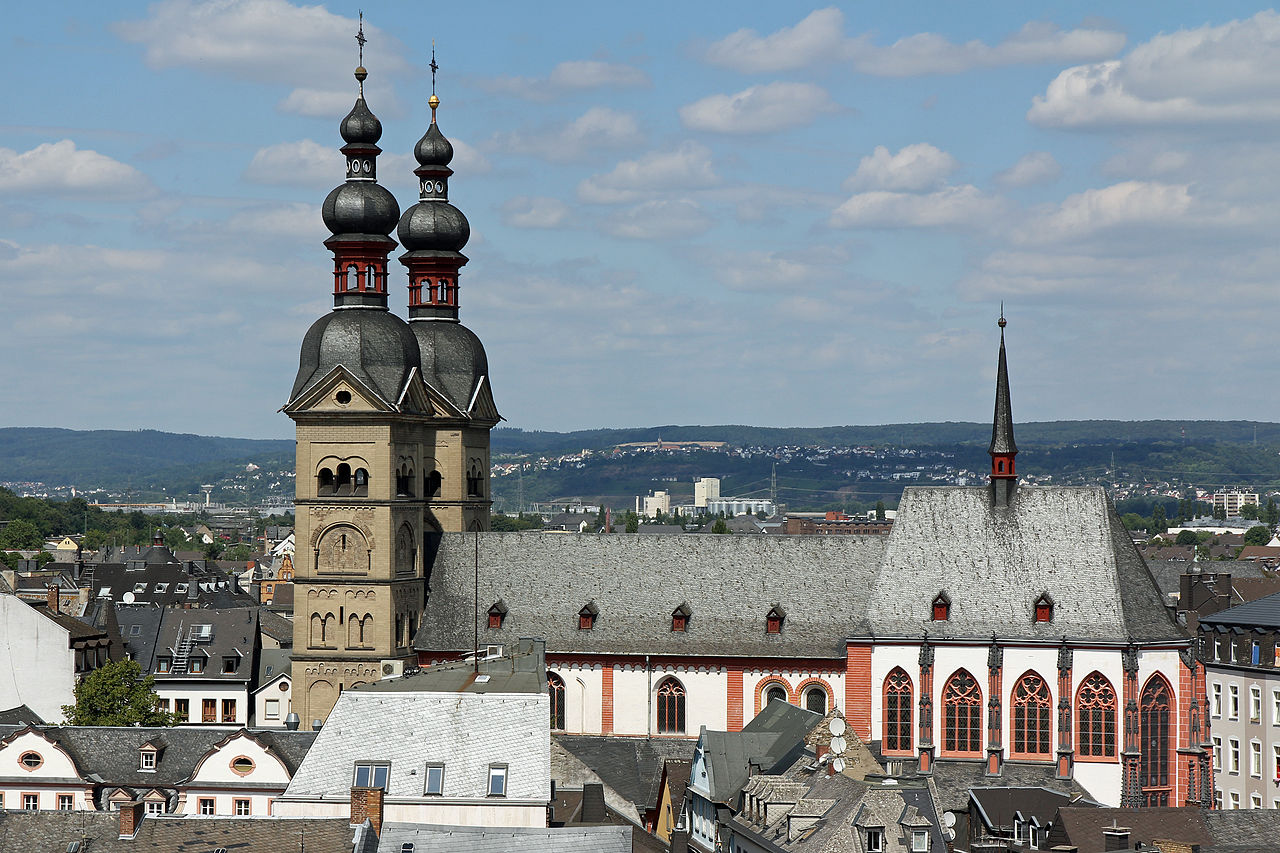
(55, 604)
(131, 814)
(1115, 837)
(366, 804)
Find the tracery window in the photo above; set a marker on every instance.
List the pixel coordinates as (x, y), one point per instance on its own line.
(1032, 713)
(555, 688)
(671, 707)
(1096, 717)
(1153, 769)
(962, 715)
(897, 711)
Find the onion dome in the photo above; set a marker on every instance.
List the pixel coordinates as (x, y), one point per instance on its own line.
(433, 226)
(453, 359)
(433, 149)
(361, 125)
(357, 210)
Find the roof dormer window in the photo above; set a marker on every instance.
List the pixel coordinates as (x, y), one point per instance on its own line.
(497, 614)
(1044, 608)
(587, 616)
(680, 618)
(941, 607)
(773, 620)
(147, 759)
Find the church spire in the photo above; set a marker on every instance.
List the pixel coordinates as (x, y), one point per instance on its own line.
(1002, 449)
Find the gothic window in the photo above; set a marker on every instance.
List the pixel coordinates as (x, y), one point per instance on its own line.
(324, 482)
(815, 700)
(404, 480)
(353, 276)
(941, 607)
(1155, 709)
(1044, 609)
(555, 687)
(361, 482)
(671, 707)
(962, 715)
(1096, 717)
(897, 711)
(1032, 712)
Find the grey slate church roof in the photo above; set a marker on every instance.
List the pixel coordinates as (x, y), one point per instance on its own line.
(729, 582)
(993, 563)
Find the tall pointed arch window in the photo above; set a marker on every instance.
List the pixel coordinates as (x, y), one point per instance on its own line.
(1032, 714)
(897, 712)
(1096, 718)
(1155, 710)
(962, 716)
(555, 688)
(671, 707)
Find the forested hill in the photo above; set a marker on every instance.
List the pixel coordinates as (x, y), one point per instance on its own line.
(1045, 433)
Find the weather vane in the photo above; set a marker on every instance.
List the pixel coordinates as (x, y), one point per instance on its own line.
(434, 67)
(360, 39)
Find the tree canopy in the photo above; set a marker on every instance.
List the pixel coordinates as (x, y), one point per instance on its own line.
(1258, 535)
(116, 694)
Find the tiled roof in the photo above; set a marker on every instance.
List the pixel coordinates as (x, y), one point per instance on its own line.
(464, 731)
(993, 562)
(730, 583)
(474, 839)
(1262, 613)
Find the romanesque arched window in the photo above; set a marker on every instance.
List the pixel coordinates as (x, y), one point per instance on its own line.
(342, 484)
(1156, 713)
(324, 482)
(815, 700)
(1096, 717)
(671, 707)
(962, 715)
(775, 691)
(1032, 715)
(361, 480)
(432, 486)
(555, 688)
(897, 712)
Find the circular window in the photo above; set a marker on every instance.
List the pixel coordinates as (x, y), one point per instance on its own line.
(242, 765)
(439, 186)
(343, 397)
(284, 687)
(368, 167)
(31, 760)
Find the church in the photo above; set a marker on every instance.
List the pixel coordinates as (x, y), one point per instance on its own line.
(996, 625)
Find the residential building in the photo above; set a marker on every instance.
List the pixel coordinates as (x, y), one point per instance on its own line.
(705, 489)
(273, 691)
(203, 663)
(1232, 500)
(835, 524)
(651, 505)
(1242, 669)
(392, 418)
(739, 506)
(45, 652)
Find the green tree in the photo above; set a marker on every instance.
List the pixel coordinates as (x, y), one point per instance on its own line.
(879, 510)
(1158, 524)
(213, 550)
(1273, 513)
(1187, 537)
(1133, 521)
(1257, 535)
(238, 553)
(719, 526)
(21, 535)
(633, 522)
(116, 694)
(1220, 513)
(1250, 511)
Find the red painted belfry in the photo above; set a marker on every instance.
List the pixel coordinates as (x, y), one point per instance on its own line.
(1002, 449)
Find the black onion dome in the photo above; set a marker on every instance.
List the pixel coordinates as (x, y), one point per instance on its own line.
(433, 149)
(376, 346)
(433, 226)
(360, 207)
(361, 125)
(453, 359)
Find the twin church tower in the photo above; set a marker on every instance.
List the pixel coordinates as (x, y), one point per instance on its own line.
(393, 422)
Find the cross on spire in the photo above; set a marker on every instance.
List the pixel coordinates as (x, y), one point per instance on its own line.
(360, 39)
(434, 67)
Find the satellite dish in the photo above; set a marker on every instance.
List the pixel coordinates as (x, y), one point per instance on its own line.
(127, 598)
(838, 765)
(948, 819)
(836, 726)
(838, 745)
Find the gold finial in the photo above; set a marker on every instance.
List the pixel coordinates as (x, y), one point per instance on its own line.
(433, 101)
(361, 73)
(1002, 322)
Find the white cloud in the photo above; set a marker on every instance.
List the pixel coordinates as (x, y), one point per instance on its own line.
(959, 207)
(1036, 43)
(534, 212)
(597, 128)
(467, 160)
(818, 37)
(269, 41)
(1194, 76)
(1038, 167)
(302, 163)
(915, 167)
(762, 271)
(660, 219)
(578, 75)
(685, 167)
(759, 109)
(294, 221)
(1124, 204)
(62, 168)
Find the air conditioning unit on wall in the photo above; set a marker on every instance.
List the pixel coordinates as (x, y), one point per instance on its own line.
(392, 668)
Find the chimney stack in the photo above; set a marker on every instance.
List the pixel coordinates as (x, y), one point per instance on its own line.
(54, 602)
(679, 841)
(131, 814)
(366, 804)
(1115, 837)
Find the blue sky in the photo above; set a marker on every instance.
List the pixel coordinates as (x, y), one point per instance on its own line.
(754, 213)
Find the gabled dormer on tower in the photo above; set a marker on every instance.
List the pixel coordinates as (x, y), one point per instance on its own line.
(1002, 449)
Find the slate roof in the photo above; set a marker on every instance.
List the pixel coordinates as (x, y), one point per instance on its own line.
(773, 738)
(1263, 613)
(475, 839)
(276, 626)
(953, 780)
(234, 635)
(158, 583)
(730, 583)
(464, 731)
(272, 662)
(632, 766)
(1082, 827)
(1000, 805)
(20, 716)
(140, 628)
(994, 562)
(522, 670)
(1244, 829)
(58, 829)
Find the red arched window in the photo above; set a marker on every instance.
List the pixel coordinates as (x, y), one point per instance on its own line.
(555, 688)
(962, 716)
(1096, 718)
(1032, 716)
(897, 712)
(1156, 711)
(671, 707)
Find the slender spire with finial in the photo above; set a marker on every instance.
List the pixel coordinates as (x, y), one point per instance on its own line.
(361, 74)
(433, 101)
(1002, 449)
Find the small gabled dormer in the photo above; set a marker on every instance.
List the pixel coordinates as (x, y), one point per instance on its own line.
(497, 614)
(149, 754)
(1044, 608)
(231, 663)
(587, 616)
(941, 607)
(773, 619)
(680, 618)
